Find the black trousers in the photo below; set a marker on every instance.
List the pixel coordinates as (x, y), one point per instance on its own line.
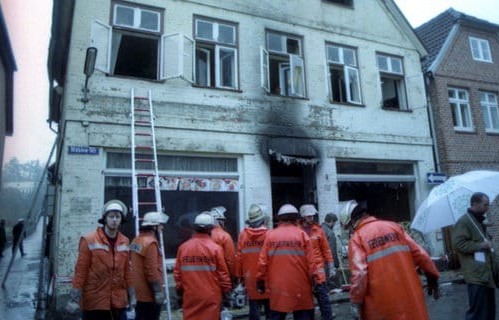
(113, 314)
(482, 303)
(147, 311)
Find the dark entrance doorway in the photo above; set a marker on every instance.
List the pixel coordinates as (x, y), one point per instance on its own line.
(292, 183)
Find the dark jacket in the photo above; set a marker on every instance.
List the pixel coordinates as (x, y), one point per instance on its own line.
(331, 238)
(467, 238)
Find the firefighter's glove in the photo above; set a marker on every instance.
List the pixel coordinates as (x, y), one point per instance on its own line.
(432, 288)
(159, 296)
(260, 286)
(355, 311)
(132, 298)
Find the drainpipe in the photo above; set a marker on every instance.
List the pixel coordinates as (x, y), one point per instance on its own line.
(428, 75)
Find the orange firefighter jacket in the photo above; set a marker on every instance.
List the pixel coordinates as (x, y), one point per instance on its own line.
(147, 265)
(249, 245)
(320, 245)
(201, 273)
(102, 272)
(287, 264)
(383, 260)
(223, 239)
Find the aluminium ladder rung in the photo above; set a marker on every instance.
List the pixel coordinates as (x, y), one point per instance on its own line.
(148, 203)
(144, 134)
(143, 160)
(141, 109)
(141, 98)
(142, 122)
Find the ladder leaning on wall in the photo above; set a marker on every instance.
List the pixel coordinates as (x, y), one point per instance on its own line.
(146, 193)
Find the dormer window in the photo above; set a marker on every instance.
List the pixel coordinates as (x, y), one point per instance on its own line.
(480, 50)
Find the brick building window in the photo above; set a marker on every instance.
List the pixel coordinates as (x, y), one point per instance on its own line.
(391, 73)
(343, 74)
(460, 108)
(282, 66)
(480, 49)
(490, 111)
(216, 53)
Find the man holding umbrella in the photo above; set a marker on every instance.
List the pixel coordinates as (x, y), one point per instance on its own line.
(475, 251)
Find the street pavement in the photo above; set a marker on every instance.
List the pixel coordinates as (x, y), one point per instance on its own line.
(18, 298)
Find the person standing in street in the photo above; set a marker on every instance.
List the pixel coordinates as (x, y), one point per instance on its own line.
(287, 267)
(200, 272)
(223, 238)
(147, 267)
(249, 245)
(474, 247)
(18, 235)
(383, 260)
(328, 228)
(3, 237)
(102, 283)
(323, 257)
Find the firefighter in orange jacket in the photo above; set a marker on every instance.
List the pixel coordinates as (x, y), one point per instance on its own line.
(383, 260)
(200, 272)
(223, 238)
(249, 245)
(287, 267)
(147, 267)
(322, 254)
(103, 275)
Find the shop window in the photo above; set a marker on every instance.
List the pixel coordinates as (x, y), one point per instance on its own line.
(216, 54)
(134, 45)
(282, 66)
(343, 75)
(391, 73)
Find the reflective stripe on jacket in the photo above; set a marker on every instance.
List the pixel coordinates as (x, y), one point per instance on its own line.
(249, 246)
(383, 260)
(223, 239)
(146, 265)
(201, 273)
(287, 264)
(103, 273)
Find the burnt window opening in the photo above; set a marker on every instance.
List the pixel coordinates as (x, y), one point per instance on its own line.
(135, 56)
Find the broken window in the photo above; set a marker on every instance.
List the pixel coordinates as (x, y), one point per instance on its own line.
(392, 82)
(282, 67)
(343, 75)
(216, 53)
(134, 46)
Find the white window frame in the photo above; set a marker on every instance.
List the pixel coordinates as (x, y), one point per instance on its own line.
(489, 107)
(480, 49)
(217, 47)
(291, 69)
(137, 17)
(393, 69)
(460, 104)
(347, 69)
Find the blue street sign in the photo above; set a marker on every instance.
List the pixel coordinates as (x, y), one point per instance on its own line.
(83, 150)
(435, 177)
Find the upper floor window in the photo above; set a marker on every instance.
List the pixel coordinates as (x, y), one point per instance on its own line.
(282, 67)
(480, 49)
(391, 73)
(460, 108)
(490, 110)
(343, 74)
(134, 45)
(343, 2)
(216, 53)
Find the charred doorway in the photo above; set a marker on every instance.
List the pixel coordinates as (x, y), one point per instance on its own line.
(292, 183)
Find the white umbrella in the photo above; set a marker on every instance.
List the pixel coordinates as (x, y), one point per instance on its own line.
(447, 202)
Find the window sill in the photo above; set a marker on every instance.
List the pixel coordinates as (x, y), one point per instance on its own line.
(216, 88)
(484, 61)
(464, 130)
(134, 78)
(397, 109)
(347, 104)
(491, 133)
(286, 97)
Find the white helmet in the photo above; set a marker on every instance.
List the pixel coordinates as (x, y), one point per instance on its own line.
(308, 210)
(154, 218)
(204, 219)
(113, 205)
(287, 209)
(351, 211)
(218, 213)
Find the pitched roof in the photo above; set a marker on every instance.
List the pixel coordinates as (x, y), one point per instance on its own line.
(435, 32)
